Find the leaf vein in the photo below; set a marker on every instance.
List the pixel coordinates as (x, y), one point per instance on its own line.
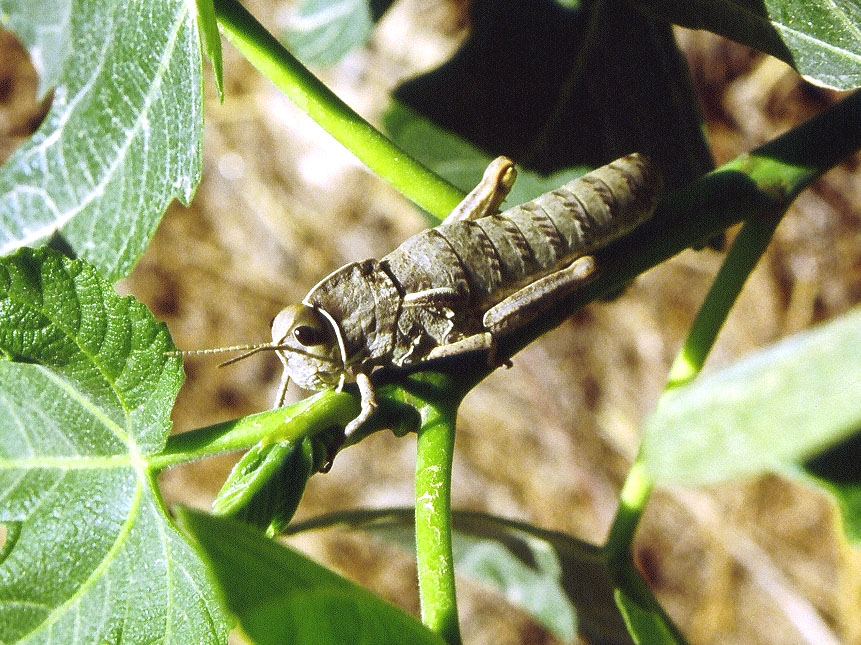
(98, 571)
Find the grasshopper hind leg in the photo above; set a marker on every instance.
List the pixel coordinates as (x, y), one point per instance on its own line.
(522, 306)
(519, 308)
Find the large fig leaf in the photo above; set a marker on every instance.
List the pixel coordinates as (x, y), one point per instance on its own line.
(281, 596)
(85, 397)
(822, 40)
(778, 408)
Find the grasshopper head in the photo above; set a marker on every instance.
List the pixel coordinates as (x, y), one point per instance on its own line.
(307, 342)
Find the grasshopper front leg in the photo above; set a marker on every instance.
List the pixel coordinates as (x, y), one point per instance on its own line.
(368, 403)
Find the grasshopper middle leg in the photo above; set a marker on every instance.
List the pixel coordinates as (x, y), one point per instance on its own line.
(486, 198)
(521, 307)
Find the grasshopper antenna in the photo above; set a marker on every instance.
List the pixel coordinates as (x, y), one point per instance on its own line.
(248, 350)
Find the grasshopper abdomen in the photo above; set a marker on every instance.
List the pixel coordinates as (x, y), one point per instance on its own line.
(465, 267)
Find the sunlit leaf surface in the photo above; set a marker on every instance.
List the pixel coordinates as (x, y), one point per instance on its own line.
(85, 396)
(123, 136)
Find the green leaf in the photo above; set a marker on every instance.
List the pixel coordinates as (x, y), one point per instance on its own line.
(266, 484)
(122, 138)
(848, 498)
(554, 88)
(321, 32)
(544, 572)
(822, 40)
(85, 397)
(281, 596)
(211, 42)
(534, 586)
(780, 406)
(837, 471)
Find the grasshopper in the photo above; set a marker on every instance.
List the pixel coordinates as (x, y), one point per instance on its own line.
(458, 287)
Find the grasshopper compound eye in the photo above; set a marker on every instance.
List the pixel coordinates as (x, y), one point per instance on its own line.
(309, 336)
(300, 324)
(309, 345)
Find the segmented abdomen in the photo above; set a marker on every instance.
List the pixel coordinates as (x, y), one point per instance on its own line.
(500, 253)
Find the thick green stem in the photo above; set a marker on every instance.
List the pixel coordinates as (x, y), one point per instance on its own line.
(435, 452)
(262, 49)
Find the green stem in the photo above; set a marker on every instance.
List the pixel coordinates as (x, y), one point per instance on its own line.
(291, 423)
(747, 249)
(262, 49)
(632, 500)
(435, 452)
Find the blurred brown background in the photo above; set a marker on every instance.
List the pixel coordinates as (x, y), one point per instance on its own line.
(549, 441)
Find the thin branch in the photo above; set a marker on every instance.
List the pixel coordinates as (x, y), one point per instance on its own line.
(428, 190)
(747, 249)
